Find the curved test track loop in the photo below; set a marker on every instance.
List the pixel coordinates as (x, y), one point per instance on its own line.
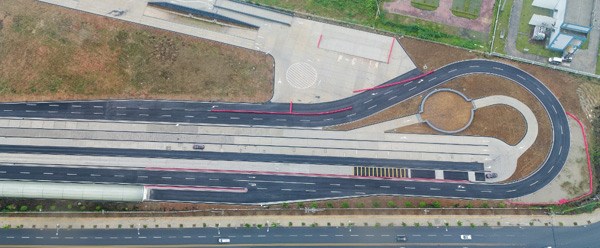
(362, 105)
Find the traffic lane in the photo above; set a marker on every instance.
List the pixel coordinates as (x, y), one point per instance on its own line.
(236, 156)
(138, 235)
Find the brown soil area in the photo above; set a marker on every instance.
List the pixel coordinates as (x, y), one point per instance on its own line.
(54, 53)
(500, 121)
(447, 110)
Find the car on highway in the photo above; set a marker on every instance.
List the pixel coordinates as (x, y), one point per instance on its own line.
(401, 238)
(465, 237)
(224, 241)
(491, 175)
(198, 147)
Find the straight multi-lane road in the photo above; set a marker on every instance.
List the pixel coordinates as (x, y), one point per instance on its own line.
(501, 237)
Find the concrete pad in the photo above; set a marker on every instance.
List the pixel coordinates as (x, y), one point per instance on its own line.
(357, 43)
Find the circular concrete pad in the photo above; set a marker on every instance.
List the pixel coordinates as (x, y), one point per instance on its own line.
(447, 111)
(301, 75)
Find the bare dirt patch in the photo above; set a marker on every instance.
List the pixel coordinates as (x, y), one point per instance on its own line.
(447, 110)
(53, 53)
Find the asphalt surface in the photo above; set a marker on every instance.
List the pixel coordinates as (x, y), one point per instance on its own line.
(363, 105)
(534, 237)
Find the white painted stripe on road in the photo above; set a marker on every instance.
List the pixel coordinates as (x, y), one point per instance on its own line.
(166, 109)
(166, 177)
(387, 92)
(25, 172)
(350, 115)
(434, 188)
(550, 169)
(561, 130)
(257, 119)
(76, 113)
(498, 68)
(311, 190)
(76, 106)
(462, 190)
(486, 191)
(53, 105)
(433, 78)
(328, 119)
(47, 173)
(334, 184)
(31, 104)
(212, 117)
(412, 88)
(512, 190)
(286, 189)
(409, 187)
(553, 108)
(359, 185)
(559, 150)
(261, 188)
(97, 106)
(166, 116)
(521, 76)
(541, 91)
(9, 110)
(305, 120)
(119, 176)
(533, 183)
(189, 116)
(234, 118)
(372, 106)
(143, 176)
(97, 113)
(391, 98)
(474, 66)
(95, 175)
(360, 193)
(213, 179)
(119, 107)
(71, 174)
(280, 119)
(120, 114)
(336, 192)
(190, 178)
(385, 187)
(30, 111)
(368, 101)
(451, 71)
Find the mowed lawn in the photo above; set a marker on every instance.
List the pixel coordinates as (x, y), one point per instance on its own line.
(425, 4)
(51, 53)
(466, 8)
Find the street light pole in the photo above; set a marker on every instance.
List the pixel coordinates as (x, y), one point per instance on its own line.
(138, 229)
(57, 227)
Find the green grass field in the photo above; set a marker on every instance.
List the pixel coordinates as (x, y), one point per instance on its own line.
(364, 12)
(466, 8)
(502, 28)
(425, 4)
(525, 30)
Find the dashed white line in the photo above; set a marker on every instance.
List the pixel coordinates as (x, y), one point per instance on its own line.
(48, 173)
(9, 110)
(25, 172)
(367, 101)
(166, 116)
(391, 98)
(350, 115)
(166, 109)
(334, 184)
(336, 192)
(328, 119)
(512, 190)
(372, 106)
(286, 189)
(305, 120)
(433, 78)
(119, 176)
(498, 68)
(561, 130)
(261, 188)
(75, 113)
(387, 92)
(559, 150)
(359, 185)
(409, 187)
(166, 177)
(120, 114)
(120, 107)
(142, 176)
(95, 175)
(551, 169)
(190, 178)
(533, 183)
(412, 88)
(486, 191)
(473, 66)
(97, 106)
(30, 111)
(76, 106)
(189, 116)
(53, 105)
(212, 117)
(434, 188)
(521, 76)
(385, 187)
(257, 119)
(554, 109)
(360, 193)
(451, 71)
(311, 190)
(541, 91)
(98, 113)
(71, 174)
(31, 104)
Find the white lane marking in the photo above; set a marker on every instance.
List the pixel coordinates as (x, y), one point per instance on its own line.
(512, 190)
(119, 107)
(541, 91)
(486, 191)
(167, 116)
(350, 115)
(561, 130)
(367, 101)
(328, 119)
(334, 184)
(76, 106)
(286, 189)
(391, 98)
(25, 172)
(385, 235)
(474, 66)
(48, 173)
(30, 111)
(280, 119)
(434, 188)
(498, 68)
(360, 193)
(550, 169)
(119, 176)
(339, 235)
(213, 179)
(97, 106)
(53, 105)
(187, 237)
(265, 181)
(533, 183)
(559, 150)
(97, 113)
(323, 235)
(31, 104)
(554, 109)
(353, 235)
(9, 110)
(409, 187)
(257, 119)
(359, 185)
(189, 110)
(311, 190)
(372, 106)
(261, 188)
(166, 109)
(95, 175)
(165, 177)
(521, 76)
(461, 190)
(234, 118)
(76, 113)
(385, 187)
(433, 78)
(190, 178)
(451, 71)
(336, 192)
(120, 114)
(387, 92)
(212, 117)
(305, 120)
(370, 235)
(143, 176)
(412, 88)
(189, 116)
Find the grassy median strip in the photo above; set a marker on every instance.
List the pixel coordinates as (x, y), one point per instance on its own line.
(48, 52)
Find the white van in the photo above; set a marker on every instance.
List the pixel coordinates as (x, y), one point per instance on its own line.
(555, 60)
(224, 241)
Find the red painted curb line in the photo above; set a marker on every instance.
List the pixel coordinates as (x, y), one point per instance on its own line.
(395, 83)
(391, 48)
(319, 42)
(591, 177)
(303, 174)
(199, 188)
(280, 113)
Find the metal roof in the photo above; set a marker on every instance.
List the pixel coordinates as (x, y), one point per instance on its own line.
(75, 191)
(546, 4)
(540, 20)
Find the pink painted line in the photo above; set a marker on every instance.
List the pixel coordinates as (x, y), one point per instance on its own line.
(301, 174)
(200, 188)
(395, 83)
(589, 165)
(391, 48)
(291, 107)
(319, 42)
(279, 112)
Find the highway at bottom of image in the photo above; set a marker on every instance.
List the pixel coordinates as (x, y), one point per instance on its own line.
(354, 236)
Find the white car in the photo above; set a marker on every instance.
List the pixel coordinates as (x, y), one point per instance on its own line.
(465, 237)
